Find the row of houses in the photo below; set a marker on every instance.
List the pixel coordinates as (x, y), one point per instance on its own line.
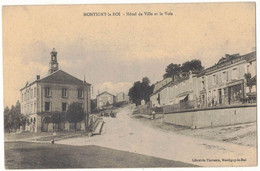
(221, 84)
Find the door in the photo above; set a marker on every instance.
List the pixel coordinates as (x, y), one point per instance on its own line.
(229, 95)
(220, 96)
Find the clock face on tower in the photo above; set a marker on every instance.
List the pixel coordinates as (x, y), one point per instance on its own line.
(55, 65)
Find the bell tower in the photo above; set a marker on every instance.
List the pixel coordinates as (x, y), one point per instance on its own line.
(53, 65)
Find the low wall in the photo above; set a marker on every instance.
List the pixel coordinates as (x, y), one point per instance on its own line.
(213, 117)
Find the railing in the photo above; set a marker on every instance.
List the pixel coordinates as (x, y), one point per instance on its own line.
(179, 107)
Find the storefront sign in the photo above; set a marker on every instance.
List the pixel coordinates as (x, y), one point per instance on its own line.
(225, 64)
(235, 83)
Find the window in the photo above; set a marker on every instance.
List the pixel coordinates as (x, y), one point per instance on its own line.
(47, 106)
(34, 107)
(203, 84)
(225, 76)
(80, 93)
(64, 92)
(64, 107)
(34, 93)
(47, 92)
(235, 74)
(215, 79)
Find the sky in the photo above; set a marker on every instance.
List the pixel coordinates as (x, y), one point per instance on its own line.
(115, 51)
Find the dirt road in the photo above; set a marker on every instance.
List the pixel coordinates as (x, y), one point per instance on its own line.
(127, 134)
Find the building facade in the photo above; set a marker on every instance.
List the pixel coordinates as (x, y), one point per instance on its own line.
(226, 83)
(105, 99)
(221, 84)
(53, 93)
(122, 97)
(160, 95)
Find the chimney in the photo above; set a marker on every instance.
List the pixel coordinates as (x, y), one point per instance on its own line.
(37, 77)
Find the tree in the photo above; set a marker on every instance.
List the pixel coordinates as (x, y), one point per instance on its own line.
(7, 119)
(146, 81)
(13, 118)
(174, 70)
(250, 81)
(140, 90)
(193, 65)
(75, 113)
(57, 117)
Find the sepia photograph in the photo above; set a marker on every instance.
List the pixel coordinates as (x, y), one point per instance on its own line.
(155, 85)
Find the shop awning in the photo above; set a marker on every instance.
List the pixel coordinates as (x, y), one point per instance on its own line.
(183, 98)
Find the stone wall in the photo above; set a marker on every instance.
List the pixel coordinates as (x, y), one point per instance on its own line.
(213, 117)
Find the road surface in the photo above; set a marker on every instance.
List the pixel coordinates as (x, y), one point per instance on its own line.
(28, 155)
(126, 134)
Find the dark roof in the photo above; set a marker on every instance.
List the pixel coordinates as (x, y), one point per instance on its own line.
(61, 77)
(104, 93)
(160, 89)
(250, 56)
(224, 61)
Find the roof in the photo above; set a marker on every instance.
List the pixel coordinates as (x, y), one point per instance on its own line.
(104, 93)
(60, 77)
(230, 59)
(53, 50)
(160, 89)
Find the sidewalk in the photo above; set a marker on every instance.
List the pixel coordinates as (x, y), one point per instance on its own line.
(124, 133)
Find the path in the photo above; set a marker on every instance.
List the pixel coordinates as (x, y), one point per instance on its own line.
(124, 133)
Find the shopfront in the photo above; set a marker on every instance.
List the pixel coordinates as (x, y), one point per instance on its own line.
(235, 91)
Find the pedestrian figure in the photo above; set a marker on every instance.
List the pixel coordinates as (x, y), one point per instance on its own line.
(153, 115)
(53, 141)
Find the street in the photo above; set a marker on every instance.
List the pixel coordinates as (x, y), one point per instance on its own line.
(126, 134)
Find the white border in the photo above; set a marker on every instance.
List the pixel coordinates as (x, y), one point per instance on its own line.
(52, 2)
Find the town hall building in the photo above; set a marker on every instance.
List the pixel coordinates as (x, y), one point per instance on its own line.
(52, 93)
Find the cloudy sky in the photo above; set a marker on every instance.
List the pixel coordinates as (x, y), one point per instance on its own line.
(114, 52)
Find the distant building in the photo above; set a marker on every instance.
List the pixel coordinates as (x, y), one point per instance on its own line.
(122, 97)
(159, 96)
(105, 99)
(52, 93)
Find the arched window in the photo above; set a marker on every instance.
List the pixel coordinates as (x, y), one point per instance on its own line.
(34, 119)
(31, 119)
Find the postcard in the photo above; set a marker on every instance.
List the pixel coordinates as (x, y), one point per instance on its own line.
(130, 85)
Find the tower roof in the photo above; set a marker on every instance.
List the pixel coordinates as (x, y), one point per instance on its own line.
(53, 50)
